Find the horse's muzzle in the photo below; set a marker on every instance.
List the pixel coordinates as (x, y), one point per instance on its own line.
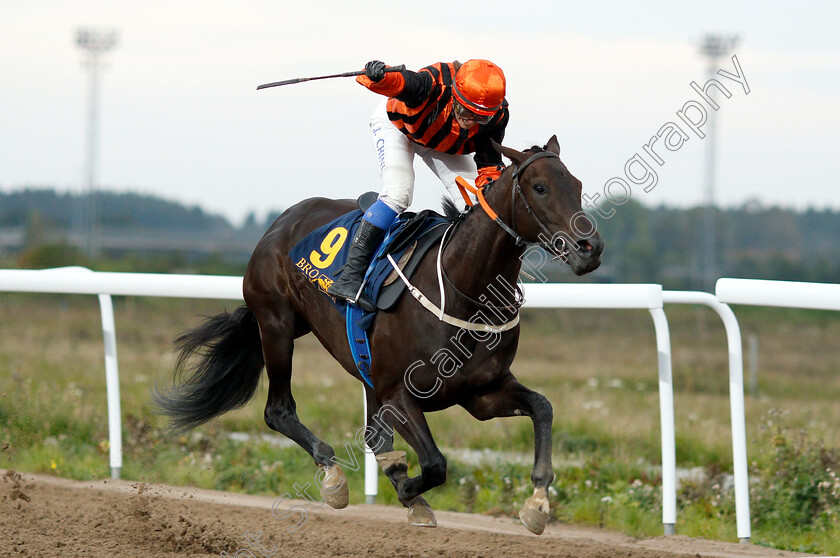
(585, 257)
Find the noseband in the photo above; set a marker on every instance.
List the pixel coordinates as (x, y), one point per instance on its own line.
(514, 191)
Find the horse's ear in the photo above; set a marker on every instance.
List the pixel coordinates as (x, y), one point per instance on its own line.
(511, 154)
(553, 145)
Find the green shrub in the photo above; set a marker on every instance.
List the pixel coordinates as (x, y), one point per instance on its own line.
(797, 478)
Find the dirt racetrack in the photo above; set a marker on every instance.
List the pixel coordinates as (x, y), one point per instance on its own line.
(51, 517)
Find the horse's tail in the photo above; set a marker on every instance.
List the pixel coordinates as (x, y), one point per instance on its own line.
(218, 370)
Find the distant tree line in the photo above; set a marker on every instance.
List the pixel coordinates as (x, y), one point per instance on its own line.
(43, 228)
(113, 210)
(666, 245)
(643, 245)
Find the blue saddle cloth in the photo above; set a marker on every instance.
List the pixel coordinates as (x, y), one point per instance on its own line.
(321, 255)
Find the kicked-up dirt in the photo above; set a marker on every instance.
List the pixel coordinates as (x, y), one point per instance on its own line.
(46, 516)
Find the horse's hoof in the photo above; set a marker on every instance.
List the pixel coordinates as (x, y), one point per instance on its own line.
(420, 514)
(534, 513)
(334, 489)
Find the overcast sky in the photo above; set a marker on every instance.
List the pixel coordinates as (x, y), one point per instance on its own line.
(181, 118)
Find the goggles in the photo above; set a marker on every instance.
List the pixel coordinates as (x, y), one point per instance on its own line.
(464, 113)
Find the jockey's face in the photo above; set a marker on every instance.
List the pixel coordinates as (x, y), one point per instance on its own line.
(467, 118)
(465, 123)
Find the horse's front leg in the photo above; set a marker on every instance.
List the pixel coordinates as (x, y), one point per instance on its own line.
(514, 399)
(407, 418)
(379, 436)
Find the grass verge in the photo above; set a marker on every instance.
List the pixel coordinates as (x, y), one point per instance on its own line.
(597, 368)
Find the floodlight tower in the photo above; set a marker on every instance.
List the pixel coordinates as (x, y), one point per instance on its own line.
(94, 43)
(714, 47)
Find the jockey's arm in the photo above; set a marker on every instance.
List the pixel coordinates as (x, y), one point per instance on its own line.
(412, 88)
(487, 159)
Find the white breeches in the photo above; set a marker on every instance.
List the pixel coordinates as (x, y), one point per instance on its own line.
(395, 155)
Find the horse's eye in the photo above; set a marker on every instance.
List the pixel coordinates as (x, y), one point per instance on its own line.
(540, 189)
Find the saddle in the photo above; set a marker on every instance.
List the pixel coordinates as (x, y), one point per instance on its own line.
(415, 236)
(321, 255)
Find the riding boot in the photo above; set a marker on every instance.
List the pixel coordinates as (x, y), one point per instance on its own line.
(349, 284)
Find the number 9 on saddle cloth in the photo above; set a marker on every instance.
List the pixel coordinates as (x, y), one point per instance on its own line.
(321, 255)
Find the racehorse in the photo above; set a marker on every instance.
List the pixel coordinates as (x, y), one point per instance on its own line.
(535, 201)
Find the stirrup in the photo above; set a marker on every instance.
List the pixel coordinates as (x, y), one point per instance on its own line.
(359, 299)
(362, 300)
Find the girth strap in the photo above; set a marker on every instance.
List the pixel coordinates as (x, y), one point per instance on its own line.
(446, 318)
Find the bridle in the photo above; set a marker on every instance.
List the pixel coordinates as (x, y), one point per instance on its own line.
(545, 242)
(516, 190)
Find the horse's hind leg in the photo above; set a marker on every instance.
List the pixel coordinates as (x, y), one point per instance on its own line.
(514, 399)
(379, 436)
(278, 332)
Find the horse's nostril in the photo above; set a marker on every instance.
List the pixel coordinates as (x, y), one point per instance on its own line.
(585, 246)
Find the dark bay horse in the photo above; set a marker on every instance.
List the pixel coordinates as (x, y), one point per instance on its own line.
(536, 200)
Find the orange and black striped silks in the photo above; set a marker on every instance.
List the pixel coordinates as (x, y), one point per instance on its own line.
(420, 106)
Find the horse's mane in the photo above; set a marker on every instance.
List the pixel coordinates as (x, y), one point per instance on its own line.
(450, 210)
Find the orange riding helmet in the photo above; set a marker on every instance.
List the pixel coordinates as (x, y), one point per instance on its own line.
(479, 85)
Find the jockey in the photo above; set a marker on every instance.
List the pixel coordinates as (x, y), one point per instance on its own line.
(442, 113)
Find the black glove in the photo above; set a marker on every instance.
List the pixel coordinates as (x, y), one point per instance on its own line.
(375, 70)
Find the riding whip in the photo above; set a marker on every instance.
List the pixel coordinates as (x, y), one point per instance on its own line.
(399, 68)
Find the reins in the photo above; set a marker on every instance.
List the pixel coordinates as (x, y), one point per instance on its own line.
(518, 295)
(464, 187)
(515, 190)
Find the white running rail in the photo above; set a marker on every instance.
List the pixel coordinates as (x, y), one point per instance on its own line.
(646, 297)
(80, 280)
(785, 294)
(736, 400)
(76, 280)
